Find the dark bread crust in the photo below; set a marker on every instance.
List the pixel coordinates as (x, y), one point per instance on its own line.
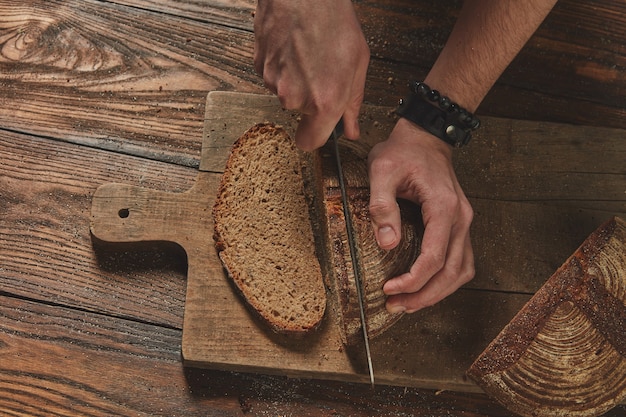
(375, 265)
(564, 353)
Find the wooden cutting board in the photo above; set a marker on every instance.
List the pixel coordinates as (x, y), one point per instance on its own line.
(428, 349)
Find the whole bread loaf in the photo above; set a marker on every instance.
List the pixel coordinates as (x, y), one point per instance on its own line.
(281, 234)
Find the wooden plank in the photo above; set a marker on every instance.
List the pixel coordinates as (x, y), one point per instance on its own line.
(46, 251)
(59, 361)
(231, 13)
(517, 160)
(114, 75)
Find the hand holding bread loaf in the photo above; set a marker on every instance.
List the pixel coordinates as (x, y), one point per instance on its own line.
(410, 165)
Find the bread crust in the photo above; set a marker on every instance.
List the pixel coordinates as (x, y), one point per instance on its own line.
(564, 353)
(375, 265)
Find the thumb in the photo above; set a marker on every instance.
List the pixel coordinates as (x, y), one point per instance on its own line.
(385, 215)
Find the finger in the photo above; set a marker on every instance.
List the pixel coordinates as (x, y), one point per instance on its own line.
(351, 119)
(434, 249)
(313, 130)
(351, 113)
(384, 210)
(441, 286)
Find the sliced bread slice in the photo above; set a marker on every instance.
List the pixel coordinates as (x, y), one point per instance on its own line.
(263, 233)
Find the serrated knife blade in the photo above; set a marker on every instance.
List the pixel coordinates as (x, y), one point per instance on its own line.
(334, 137)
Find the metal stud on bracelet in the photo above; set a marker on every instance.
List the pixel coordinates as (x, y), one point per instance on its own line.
(448, 121)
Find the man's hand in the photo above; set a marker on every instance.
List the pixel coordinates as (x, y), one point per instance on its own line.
(414, 165)
(314, 57)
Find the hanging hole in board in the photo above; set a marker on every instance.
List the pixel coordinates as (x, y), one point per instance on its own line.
(123, 213)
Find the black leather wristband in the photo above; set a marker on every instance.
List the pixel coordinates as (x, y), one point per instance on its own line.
(438, 115)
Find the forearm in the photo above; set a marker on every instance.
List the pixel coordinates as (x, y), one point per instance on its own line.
(486, 37)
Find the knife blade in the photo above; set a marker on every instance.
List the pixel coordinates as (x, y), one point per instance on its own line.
(337, 132)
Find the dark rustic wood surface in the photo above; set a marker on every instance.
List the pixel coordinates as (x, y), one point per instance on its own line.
(93, 92)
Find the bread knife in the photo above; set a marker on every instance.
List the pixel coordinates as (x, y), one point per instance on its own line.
(337, 132)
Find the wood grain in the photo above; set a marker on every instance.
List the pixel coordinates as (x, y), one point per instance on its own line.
(61, 361)
(47, 253)
(115, 75)
(127, 82)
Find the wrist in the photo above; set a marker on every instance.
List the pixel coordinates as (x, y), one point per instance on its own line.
(465, 95)
(438, 115)
(415, 135)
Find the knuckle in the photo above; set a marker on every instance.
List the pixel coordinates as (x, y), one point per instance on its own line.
(286, 97)
(466, 212)
(327, 103)
(379, 206)
(467, 275)
(435, 261)
(380, 165)
(450, 200)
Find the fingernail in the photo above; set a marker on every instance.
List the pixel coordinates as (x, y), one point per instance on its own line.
(386, 236)
(395, 309)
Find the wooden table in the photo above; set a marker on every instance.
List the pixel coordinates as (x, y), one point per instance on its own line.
(95, 92)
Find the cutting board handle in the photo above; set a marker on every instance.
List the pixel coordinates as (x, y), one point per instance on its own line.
(126, 213)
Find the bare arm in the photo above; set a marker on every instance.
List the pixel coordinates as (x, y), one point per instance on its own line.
(484, 41)
(415, 165)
